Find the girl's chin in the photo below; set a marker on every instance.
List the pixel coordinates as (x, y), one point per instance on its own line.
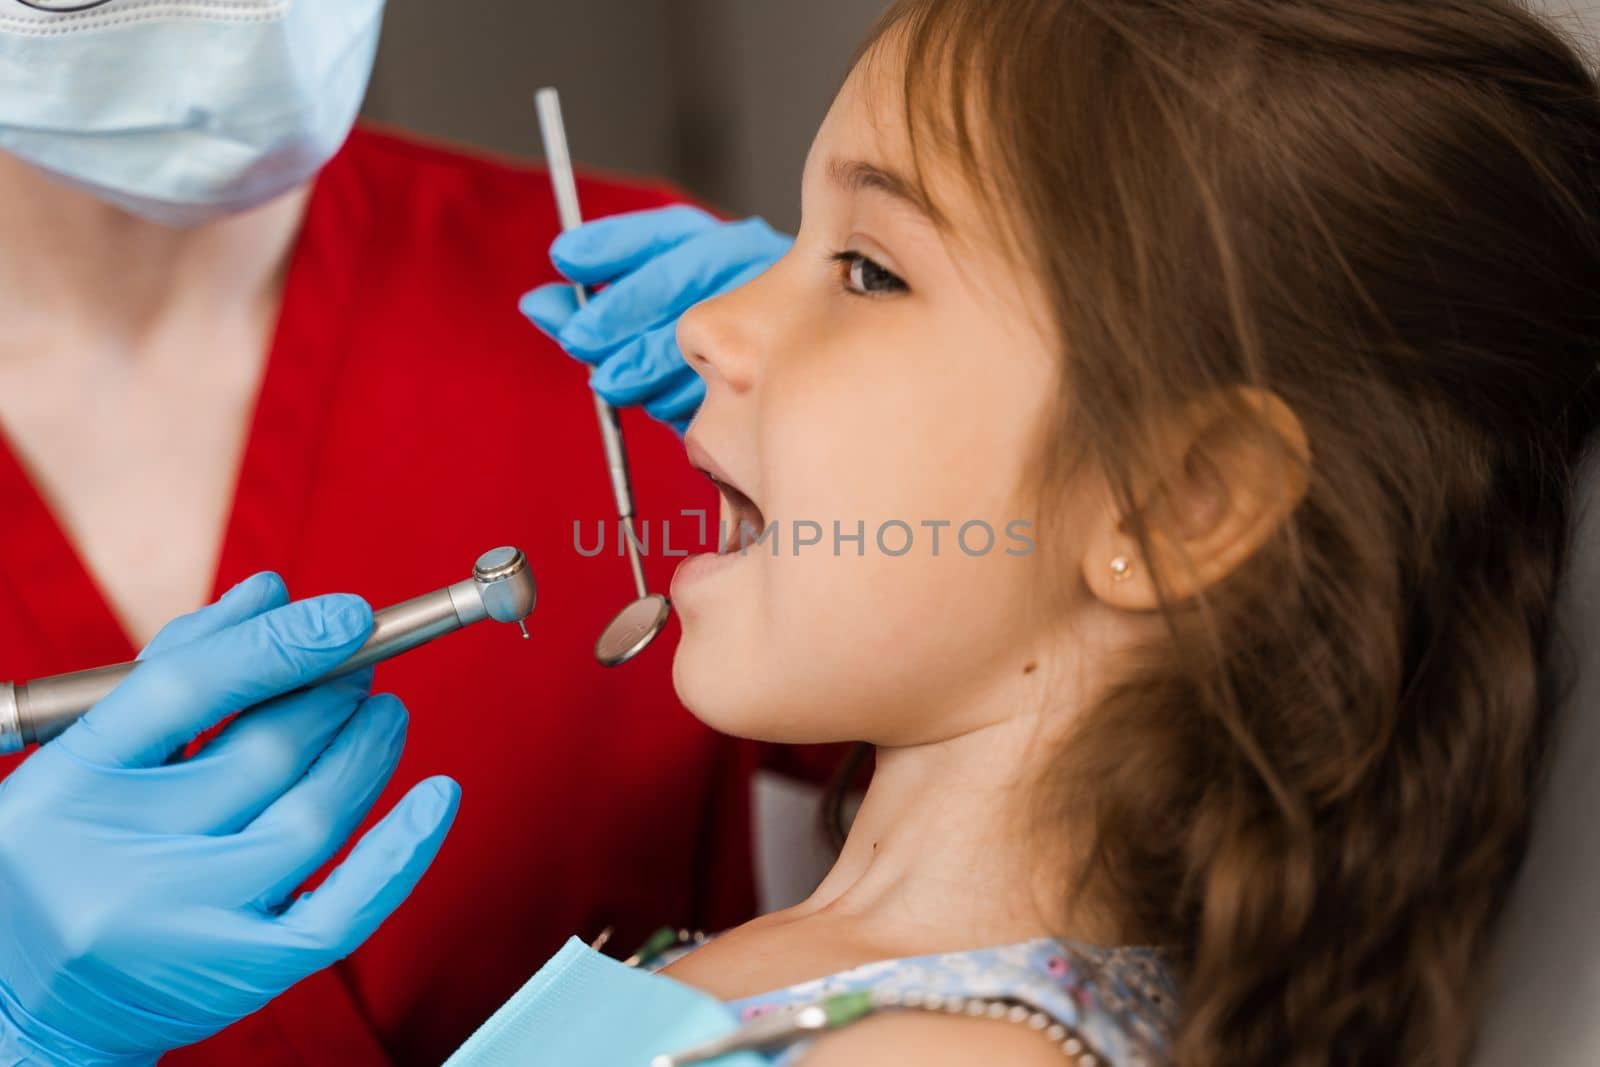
(735, 706)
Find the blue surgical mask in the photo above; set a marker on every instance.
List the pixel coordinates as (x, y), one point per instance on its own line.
(183, 111)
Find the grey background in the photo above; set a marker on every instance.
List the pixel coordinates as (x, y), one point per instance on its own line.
(721, 96)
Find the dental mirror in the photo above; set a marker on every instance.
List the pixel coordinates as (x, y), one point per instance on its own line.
(634, 627)
(637, 624)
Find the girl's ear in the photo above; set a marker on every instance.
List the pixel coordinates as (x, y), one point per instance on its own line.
(1226, 477)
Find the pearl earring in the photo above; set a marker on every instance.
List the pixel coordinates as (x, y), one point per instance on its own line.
(1121, 569)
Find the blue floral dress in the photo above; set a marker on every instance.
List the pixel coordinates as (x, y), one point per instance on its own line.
(1122, 1003)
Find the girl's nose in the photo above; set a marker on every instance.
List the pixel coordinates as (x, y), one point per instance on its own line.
(724, 338)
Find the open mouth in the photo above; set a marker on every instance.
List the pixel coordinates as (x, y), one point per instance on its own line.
(745, 522)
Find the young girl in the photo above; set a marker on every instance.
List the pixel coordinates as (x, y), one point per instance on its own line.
(1272, 326)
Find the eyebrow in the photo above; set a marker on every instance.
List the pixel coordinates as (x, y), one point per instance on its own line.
(856, 175)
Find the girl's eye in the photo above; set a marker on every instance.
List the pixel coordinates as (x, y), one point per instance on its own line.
(864, 277)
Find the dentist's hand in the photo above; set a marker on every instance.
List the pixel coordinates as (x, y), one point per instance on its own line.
(144, 901)
(656, 266)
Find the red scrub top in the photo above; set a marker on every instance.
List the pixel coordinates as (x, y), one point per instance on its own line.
(410, 419)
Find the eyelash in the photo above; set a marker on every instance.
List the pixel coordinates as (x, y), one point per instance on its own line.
(847, 263)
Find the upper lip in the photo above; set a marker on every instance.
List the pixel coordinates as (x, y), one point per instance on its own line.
(701, 460)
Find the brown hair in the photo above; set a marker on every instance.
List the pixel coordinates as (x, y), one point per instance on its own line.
(1384, 212)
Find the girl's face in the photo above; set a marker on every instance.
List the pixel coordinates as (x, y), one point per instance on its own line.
(887, 378)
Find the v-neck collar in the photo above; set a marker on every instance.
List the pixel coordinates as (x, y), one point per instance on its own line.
(61, 602)
(46, 572)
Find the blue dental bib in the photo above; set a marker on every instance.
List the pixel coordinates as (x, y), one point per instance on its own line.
(584, 1009)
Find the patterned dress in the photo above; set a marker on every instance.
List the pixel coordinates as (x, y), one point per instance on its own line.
(1121, 1002)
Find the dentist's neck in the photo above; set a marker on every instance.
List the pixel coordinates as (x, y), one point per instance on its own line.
(70, 262)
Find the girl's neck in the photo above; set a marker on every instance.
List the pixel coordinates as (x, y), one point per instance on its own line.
(946, 852)
(943, 857)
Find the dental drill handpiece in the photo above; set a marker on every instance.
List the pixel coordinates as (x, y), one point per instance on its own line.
(501, 588)
(559, 162)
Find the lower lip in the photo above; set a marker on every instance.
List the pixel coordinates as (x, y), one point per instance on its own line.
(698, 568)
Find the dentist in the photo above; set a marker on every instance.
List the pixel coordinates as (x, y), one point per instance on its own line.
(235, 336)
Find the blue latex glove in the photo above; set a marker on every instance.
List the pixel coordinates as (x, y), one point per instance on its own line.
(144, 900)
(656, 265)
